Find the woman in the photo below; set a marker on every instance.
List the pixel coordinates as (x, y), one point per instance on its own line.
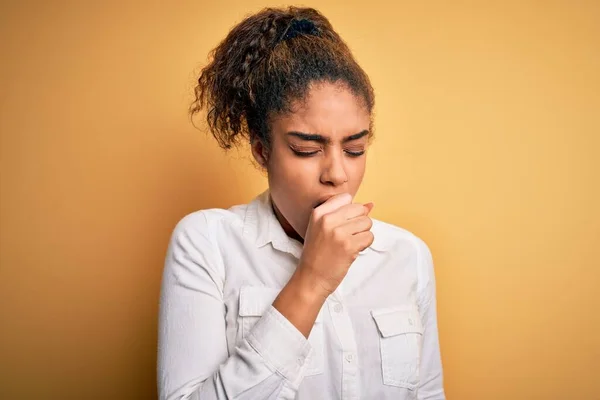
(298, 294)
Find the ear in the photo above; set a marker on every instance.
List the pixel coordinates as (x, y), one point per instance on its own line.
(260, 152)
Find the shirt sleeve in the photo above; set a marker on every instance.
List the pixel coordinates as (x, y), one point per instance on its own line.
(193, 357)
(431, 385)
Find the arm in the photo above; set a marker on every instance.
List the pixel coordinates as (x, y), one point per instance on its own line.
(337, 231)
(193, 360)
(431, 386)
(300, 301)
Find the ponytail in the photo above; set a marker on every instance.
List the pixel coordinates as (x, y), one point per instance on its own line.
(264, 64)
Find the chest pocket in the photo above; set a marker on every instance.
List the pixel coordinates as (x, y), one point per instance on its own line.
(400, 341)
(255, 300)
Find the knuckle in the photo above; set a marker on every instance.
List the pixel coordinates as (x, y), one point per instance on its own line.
(371, 237)
(358, 210)
(347, 246)
(315, 214)
(326, 221)
(337, 235)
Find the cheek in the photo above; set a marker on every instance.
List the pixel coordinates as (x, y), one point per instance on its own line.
(357, 169)
(286, 179)
(291, 171)
(356, 173)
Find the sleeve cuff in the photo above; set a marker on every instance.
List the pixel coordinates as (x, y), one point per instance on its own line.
(281, 345)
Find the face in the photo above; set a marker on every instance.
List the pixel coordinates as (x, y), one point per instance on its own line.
(317, 151)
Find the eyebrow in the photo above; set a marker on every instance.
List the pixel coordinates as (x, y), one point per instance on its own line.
(315, 137)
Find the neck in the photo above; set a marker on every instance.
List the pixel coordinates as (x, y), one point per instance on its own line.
(287, 228)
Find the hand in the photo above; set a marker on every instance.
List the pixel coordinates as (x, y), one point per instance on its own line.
(337, 231)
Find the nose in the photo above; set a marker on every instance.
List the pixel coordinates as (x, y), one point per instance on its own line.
(333, 171)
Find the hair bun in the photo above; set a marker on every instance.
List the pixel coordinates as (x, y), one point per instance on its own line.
(300, 27)
(253, 76)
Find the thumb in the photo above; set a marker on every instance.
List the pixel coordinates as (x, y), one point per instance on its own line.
(369, 207)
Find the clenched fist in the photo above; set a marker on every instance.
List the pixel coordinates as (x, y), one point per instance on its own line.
(337, 231)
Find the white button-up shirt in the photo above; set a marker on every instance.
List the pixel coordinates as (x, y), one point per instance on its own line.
(375, 337)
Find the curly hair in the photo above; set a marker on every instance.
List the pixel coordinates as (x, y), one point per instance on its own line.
(267, 62)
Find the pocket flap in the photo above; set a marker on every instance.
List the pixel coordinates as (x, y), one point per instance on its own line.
(255, 300)
(397, 321)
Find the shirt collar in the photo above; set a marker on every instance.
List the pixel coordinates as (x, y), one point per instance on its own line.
(262, 225)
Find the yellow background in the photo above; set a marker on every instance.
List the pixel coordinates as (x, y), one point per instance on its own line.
(487, 147)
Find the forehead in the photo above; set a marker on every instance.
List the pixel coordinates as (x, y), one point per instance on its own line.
(328, 109)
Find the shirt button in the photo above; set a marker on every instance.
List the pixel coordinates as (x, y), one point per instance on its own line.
(338, 308)
(300, 361)
(350, 357)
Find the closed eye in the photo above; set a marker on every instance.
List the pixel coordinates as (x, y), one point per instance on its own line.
(305, 153)
(355, 153)
(312, 153)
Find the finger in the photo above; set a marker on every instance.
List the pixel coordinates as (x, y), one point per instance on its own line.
(357, 225)
(349, 211)
(333, 203)
(363, 240)
(369, 207)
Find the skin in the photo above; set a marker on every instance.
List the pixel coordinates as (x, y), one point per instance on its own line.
(298, 183)
(312, 193)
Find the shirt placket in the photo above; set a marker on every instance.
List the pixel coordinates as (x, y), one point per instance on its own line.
(343, 328)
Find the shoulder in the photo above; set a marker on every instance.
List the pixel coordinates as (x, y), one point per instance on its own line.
(207, 221)
(391, 238)
(388, 236)
(193, 251)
